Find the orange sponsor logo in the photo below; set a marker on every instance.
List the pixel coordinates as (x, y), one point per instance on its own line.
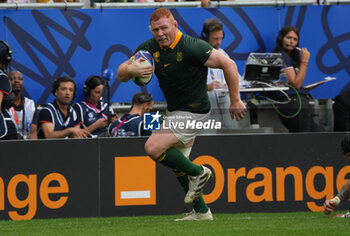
(135, 181)
(272, 182)
(30, 201)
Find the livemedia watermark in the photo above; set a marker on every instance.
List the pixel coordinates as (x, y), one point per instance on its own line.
(153, 121)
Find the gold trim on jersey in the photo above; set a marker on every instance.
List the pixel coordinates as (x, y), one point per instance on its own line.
(177, 39)
(156, 56)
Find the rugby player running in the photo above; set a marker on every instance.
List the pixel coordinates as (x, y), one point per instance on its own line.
(181, 66)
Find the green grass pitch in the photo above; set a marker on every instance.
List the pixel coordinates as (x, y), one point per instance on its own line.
(297, 223)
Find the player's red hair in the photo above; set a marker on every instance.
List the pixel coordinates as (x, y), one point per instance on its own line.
(161, 12)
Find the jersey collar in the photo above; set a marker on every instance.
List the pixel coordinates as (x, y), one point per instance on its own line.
(177, 39)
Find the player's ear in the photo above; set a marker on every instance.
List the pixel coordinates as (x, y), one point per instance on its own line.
(144, 106)
(175, 23)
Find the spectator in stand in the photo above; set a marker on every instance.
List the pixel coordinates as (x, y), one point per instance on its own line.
(131, 124)
(58, 119)
(23, 111)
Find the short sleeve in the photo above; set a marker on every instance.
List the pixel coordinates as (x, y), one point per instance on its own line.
(144, 46)
(45, 116)
(288, 61)
(198, 50)
(5, 85)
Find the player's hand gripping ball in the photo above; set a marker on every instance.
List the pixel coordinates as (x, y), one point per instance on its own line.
(148, 61)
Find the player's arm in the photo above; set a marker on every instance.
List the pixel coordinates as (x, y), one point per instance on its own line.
(218, 60)
(344, 194)
(128, 70)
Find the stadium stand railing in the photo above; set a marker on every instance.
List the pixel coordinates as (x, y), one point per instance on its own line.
(256, 3)
(212, 4)
(57, 5)
(147, 4)
(335, 2)
(187, 4)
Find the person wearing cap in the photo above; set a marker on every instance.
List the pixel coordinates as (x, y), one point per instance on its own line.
(8, 129)
(131, 124)
(344, 193)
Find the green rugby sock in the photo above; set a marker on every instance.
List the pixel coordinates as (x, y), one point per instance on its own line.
(198, 205)
(174, 159)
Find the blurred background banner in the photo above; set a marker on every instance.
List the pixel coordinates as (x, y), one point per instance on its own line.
(78, 43)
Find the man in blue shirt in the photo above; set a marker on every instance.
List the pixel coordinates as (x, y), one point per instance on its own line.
(58, 119)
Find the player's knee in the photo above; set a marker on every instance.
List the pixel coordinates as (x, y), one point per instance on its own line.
(152, 150)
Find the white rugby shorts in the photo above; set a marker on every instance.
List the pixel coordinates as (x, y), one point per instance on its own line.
(183, 124)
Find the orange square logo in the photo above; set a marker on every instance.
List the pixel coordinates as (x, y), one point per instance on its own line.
(135, 181)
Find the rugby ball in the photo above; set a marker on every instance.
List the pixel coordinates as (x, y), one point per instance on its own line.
(147, 62)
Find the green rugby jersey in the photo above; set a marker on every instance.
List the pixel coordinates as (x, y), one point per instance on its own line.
(180, 71)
